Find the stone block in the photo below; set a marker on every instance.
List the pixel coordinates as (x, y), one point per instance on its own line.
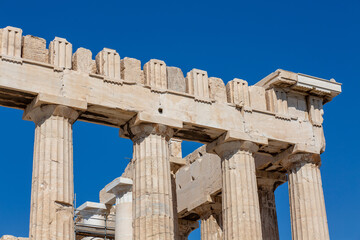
(60, 53)
(11, 39)
(237, 92)
(82, 60)
(175, 79)
(34, 48)
(155, 74)
(9, 237)
(276, 99)
(257, 98)
(217, 89)
(131, 70)
(315, 106)
(108, 63)
(197, 83)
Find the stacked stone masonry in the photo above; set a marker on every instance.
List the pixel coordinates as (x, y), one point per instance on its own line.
(256, 138)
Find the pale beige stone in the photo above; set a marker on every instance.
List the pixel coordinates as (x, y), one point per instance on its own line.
(211, 228)
(82, 60)
(108, 63)
(315, 105)
(307, 205)
(277, 102)
(9, 237)
(11, 39)
(293, 101)
(241, 212)
(34, 48)
(257, 98)
(238, 92)
(175, 79)
(52, 195)
(60, 53)
(197, 84)
(155, 74)
(217, 89)
(153, 206)
(131, 70)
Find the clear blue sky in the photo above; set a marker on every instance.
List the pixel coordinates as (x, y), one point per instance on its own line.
(243, 39)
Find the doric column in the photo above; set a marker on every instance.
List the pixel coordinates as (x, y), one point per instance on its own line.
(52, 193)
(121, 187)
(152, 194)
(241, 213)
(307, 205)
(267, 183)
(211, 227)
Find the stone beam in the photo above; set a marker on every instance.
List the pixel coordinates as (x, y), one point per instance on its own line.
(110, 88)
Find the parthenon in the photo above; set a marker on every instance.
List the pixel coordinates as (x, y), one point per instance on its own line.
(255, 139)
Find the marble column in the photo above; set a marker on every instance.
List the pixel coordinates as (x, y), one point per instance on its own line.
(267, 183)
(122, 188)
(307, 205)
(152, 194)
(211, 227)
(241, 213)
(52, 193)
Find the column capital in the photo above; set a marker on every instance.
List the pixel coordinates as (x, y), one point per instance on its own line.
(143, 125)
(45, 105)
(232, 141)
(122, 189)
(270, 180)
(294, 160)
(224, 149)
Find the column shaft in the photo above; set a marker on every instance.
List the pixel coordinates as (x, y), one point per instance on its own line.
(241, 213)
(123, 228)
(211, 229)
(269, 224)
(307, 205)
(51, 215)
(152, 196)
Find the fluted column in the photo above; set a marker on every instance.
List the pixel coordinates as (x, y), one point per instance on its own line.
(307, 205)
(241, 213)
(123, 227)
(267, 183)
(210, 228)
(152, 194)
(52, 193)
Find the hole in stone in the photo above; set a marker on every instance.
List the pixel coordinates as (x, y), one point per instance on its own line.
(160, 110)
(192, 178)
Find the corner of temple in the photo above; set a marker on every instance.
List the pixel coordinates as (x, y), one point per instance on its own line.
(293, 157)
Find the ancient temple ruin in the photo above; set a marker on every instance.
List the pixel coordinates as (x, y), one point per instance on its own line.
(255, 138)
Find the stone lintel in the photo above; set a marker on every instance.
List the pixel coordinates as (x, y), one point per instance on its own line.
(245, 140)
(119, 185)
(47, 99)
(143, 117)
(92, 207)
